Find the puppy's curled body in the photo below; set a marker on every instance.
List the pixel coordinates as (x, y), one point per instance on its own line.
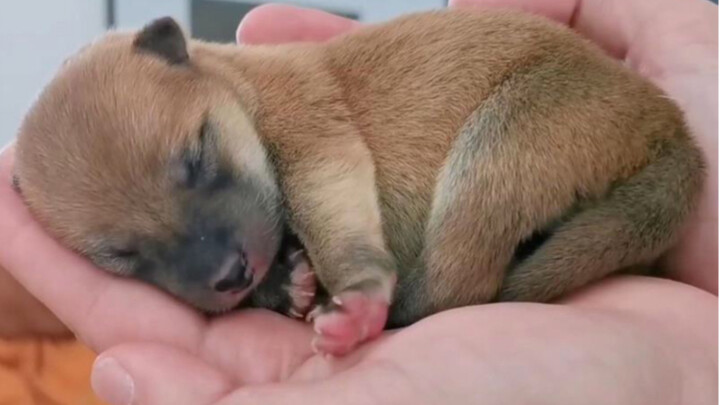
(410, 158)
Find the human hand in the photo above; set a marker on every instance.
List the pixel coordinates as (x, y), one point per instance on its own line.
(511, 351)
(22, 315)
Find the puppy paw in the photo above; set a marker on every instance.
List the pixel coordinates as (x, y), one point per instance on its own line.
(302, 287)
(352, 317)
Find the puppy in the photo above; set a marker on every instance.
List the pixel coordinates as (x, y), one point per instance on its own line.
(439, 160)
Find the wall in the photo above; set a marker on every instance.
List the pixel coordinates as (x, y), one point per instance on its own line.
(135, 13)
(35, 37)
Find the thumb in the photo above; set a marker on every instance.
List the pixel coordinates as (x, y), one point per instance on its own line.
(151, 374)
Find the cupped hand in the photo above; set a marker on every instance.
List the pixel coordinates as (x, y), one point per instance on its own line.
(627, 340)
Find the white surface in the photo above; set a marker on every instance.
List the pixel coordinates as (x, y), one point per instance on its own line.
(133, 14)
(369, 10)
(136, 13)
(36, 36)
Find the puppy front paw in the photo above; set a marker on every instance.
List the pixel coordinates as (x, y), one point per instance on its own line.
(290, 287)
(351, 318)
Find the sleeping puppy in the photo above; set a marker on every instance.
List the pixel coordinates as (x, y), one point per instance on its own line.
(439, 160)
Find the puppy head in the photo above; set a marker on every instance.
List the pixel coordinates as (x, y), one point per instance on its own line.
(148, 163)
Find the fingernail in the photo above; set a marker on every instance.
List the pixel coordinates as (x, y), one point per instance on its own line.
(111, 382)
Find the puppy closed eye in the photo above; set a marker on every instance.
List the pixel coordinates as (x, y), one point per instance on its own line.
(124, 254)
(192, 168)
(120, 261)
(198, 164)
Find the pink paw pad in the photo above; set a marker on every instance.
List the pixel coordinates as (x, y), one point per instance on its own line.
(353, 318)
(302, 288)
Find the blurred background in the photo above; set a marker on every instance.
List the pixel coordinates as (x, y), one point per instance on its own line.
(37, 35)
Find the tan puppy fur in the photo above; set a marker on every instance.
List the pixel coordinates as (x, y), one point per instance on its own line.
(431, 150)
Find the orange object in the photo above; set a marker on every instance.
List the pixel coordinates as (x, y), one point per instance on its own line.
(46, 372)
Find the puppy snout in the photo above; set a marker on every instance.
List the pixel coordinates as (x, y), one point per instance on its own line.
(234, 275)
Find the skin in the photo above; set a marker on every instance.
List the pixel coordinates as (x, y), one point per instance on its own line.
(22, 315)
(626, 340)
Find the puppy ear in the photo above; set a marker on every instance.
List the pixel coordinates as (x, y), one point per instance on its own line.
(164, 38)
(16, 183)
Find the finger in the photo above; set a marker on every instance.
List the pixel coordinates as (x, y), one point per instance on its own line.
(256, 346)
(146, 373)
(275, 24)
(101, 309)
(364, 385)
(558, 10)
(624, 28)
(152, 374)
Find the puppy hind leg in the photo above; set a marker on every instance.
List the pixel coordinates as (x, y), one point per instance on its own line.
(492, 193)
(629, 228)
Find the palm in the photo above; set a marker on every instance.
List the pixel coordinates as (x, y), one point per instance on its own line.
(498, 348)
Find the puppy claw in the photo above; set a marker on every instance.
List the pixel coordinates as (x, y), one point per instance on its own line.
(310, 317)
(359, 316)
(296, 257)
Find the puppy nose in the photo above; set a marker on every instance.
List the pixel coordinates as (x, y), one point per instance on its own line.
(233, 275)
